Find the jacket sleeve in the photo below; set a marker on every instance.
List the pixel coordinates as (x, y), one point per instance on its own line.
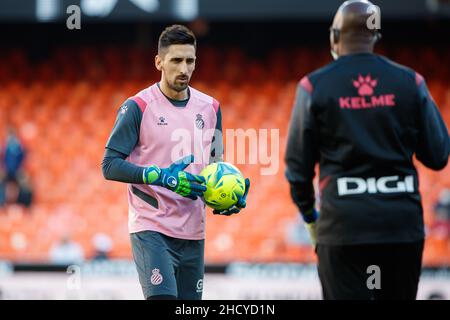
(434, 144)
(302, 149)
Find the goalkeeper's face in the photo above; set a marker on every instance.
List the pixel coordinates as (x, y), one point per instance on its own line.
(177, 63)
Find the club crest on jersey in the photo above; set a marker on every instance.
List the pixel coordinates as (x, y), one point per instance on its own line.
(162, 121)
(156, 278)
(366, 99)
(199, 122)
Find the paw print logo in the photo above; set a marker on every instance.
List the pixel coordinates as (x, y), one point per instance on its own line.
(365, 85)
(123, 109)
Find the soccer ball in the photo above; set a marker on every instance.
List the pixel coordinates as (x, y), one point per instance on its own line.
(224, 183)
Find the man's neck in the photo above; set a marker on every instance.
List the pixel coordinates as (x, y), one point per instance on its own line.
(173, 94)
(346, 50)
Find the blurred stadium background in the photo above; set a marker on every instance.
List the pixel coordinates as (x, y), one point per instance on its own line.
(60, 89)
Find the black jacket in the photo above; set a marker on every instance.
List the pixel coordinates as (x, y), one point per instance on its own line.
(362, 118)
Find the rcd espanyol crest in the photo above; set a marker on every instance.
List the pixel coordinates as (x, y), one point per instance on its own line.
(156, 277)
(199, 122)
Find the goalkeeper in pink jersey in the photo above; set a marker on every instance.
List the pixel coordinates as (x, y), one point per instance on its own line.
(166, 213)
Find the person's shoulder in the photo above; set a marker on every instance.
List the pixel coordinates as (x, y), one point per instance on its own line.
(141, 100)
(310, 80)
(137, 103)
(315, 76)
(203, 97)
(324, 70)
(200, 95)
(131, 107)
(408, 72)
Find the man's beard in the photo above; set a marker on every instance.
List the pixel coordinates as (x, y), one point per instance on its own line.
(178, 87)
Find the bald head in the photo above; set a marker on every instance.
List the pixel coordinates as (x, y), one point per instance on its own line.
(351, 28)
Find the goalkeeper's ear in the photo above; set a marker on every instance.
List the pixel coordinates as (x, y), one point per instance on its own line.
(158, 62)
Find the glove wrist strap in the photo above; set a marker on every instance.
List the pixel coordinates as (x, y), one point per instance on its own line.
(151, 174)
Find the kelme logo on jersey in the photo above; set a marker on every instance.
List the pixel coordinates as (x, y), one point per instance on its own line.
(392, 184)
(162, 121)
(365, 85)
(156, 277)
(366, 88)
(199, 122)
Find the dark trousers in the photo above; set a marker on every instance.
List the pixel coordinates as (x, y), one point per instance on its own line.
(168, 267)
(370, 272)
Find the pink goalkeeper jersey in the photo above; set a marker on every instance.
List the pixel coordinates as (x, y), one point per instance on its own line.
(168, 133)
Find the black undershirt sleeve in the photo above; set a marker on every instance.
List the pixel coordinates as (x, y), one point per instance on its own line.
(123, 139)
(116, 168)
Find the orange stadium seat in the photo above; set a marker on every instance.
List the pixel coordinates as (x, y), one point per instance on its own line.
(66, 113)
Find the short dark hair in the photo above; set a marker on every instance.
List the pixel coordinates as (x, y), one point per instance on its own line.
(176, 34)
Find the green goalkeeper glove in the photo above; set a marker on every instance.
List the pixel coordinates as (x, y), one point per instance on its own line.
(176, 179)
